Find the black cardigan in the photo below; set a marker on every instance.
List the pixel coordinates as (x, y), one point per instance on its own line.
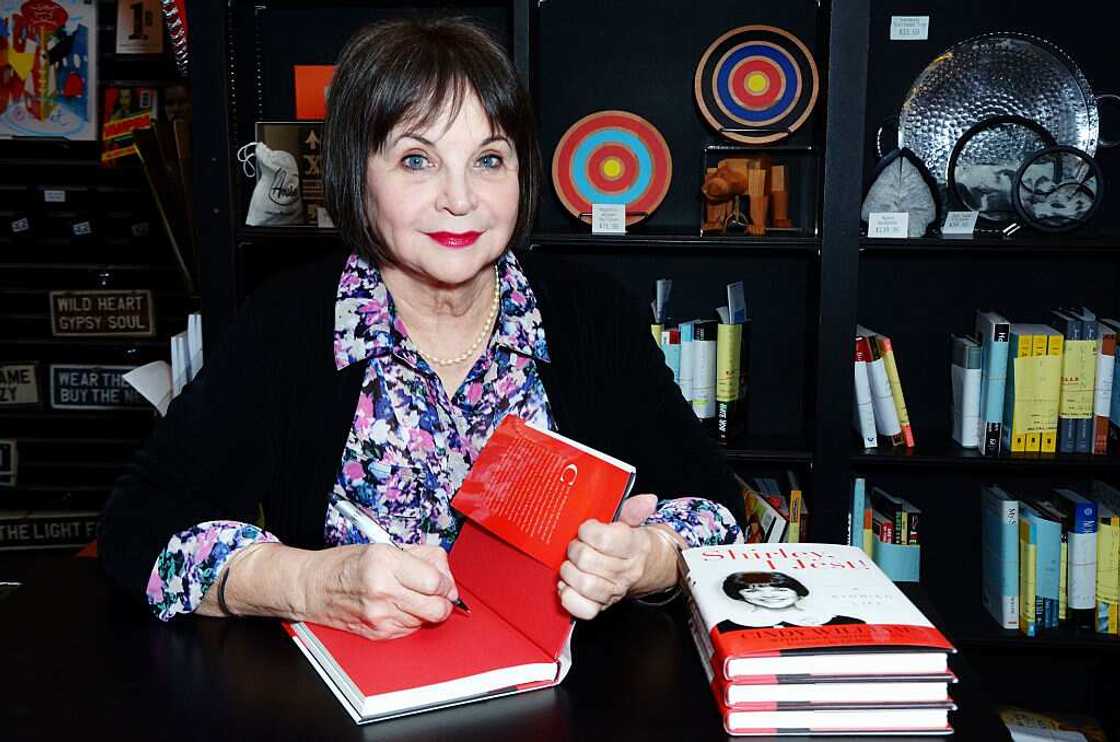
(263, 425)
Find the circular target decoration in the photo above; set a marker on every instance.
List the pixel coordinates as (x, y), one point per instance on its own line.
(756, 84)
(612, 157)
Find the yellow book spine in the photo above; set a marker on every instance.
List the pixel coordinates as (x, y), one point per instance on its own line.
(1028, 569)
(655, 330)
(1108, 575)
(887, 351)
(1034, 437)
(1050, 434)
(794, 528)
(1018, 430)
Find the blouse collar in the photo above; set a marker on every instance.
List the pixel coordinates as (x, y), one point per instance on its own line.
(366, 323)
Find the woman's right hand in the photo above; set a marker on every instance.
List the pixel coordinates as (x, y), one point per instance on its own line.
(379, 591)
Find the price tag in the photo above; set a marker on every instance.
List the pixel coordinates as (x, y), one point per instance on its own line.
(81, 228)
(960, 223)
(888, 225)
(21, 225)
(909, 27)
(54, 197)
(608, 218)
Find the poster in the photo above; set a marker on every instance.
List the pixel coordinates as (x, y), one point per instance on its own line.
(48, 63)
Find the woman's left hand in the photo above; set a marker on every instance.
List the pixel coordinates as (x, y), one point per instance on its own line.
(608, 561)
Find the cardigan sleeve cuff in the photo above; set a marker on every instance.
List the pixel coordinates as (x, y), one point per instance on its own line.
(191, 562)
(700, 522)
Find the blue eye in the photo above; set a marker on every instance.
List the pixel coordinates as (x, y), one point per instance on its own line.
(414, 162)
(490, 162)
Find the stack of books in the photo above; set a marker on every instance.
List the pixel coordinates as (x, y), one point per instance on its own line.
(1021, 387)
(709, 359)
(1052, 558)
(888, 529)
(814, 639)
(880, 406)
(776, 509)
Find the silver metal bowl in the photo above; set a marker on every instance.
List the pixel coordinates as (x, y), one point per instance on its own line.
(993, 75)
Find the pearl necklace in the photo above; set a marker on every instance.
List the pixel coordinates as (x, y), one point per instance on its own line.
(478, 338)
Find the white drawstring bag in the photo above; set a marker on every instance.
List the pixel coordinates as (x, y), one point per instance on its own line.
(276, 197)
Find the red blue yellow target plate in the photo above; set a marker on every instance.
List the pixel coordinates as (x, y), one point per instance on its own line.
(756, 84)
(612, 157)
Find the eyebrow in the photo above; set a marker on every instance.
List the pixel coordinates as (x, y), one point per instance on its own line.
(429, 143)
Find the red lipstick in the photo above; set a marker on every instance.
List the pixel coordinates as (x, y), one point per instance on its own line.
(455, 240)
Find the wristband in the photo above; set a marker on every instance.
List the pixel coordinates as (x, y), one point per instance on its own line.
(222, 606)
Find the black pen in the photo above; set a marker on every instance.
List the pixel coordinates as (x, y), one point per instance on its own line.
(372, 530)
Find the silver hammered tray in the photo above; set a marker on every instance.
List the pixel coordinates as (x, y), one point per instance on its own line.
(991, 75)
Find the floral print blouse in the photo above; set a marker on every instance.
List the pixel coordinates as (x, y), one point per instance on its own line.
(411, 445)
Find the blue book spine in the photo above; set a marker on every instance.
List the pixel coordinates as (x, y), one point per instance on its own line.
(1067, 426)
(995, 337)
(672, 353)
(855, 535)
(1000, 556)
(1085, 424)
(1049, 570)
(1082, 555)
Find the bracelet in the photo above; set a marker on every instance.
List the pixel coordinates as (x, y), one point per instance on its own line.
(222, 605)
(668, 595)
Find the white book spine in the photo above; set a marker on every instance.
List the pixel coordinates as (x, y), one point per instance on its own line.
(886, 417)
(1082, 570)
(865, 413)
(966, 406)
(1102, 394)
(704, 378)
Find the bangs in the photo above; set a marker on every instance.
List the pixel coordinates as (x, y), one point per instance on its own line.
(410, 73)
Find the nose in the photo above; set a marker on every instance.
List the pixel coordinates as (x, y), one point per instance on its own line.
(457, 196)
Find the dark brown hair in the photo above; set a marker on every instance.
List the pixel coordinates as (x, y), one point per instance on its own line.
(736, 581)
(409, 70)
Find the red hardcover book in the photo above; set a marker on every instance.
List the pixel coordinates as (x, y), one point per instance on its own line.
(804, 692)
(807, 609)
(524, 501)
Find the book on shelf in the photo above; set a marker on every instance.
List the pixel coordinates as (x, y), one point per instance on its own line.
(1031, 399)
(1086, 355)
(864, 410)
(999, 529)
(965, 377)
(993, 331)
(1107, 498)
(798, 510)
(906, 515)
(1102, 386)
(860, 516)
(1071, 330)
(823, 620)
(1114, 400)
(887, 424)
(886, 389)
(883, 344)
(1046, 535)
(1029, 623)
(765, 522)
(1079, 525)
(523, 501)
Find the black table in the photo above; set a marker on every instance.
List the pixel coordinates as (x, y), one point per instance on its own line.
(79, 661)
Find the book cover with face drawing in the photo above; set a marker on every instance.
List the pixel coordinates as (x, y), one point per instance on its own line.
(761, 598)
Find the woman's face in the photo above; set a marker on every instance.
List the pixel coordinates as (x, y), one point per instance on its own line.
(768, 596)
(444, 199)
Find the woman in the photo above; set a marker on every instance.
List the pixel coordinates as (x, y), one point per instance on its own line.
(771, 600)
(376, 379)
